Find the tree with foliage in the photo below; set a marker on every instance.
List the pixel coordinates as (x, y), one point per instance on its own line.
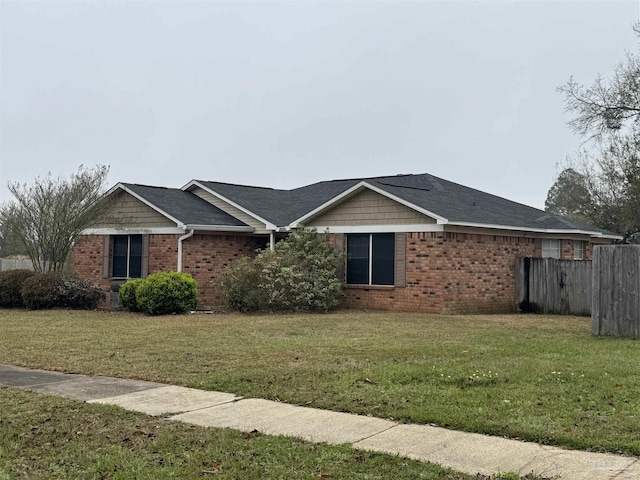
(47, 217)
(570, 196)
(607, 114)
(300, 273)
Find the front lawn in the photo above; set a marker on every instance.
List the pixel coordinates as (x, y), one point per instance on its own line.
(47, 437)
(538, 378)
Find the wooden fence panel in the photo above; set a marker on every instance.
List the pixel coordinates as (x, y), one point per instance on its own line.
(15, 264)
(548, 285)
(616, 283)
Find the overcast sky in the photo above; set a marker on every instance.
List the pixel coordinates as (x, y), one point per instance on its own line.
(284, 94)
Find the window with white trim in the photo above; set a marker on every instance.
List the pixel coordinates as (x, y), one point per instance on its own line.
(550, 248)
(370, 258)
(127, 256)
(578, 250)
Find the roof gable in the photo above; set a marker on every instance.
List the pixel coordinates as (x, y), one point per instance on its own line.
(126, 210)
(358, 187)
(367, 207)
(183, 208)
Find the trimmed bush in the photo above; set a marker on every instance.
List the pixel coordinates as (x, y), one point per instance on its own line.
(300, 274)
(60, 290)
(11, 283)
(128, 294)
(167, 292)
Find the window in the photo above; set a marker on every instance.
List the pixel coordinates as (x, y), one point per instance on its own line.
(127, 256)
(578, 250)
(370, 259)
(551, 248)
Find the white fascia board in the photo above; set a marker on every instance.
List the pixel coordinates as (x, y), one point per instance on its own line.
(190, 184)
(430, 227)
(296, 223)
(194, 183)
(146, 202)
(132, 231)
(220, 228)
(551, 231)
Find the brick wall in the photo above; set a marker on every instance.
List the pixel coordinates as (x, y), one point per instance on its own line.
(452, 273)
(205, 256)
(567, 246)
(446, 272)
(163, 253)
(87, 261)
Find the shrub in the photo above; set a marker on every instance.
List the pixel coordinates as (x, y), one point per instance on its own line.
(167, 292)
(11, 286)
(240, 286)
(299, 274)
(57, 289)
(128, 294)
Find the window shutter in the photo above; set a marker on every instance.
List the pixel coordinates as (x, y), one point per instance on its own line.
(401, 264)
(339, 246)
(106, 254)
(145, 256)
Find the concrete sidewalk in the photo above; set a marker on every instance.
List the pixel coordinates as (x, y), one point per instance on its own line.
(465, 452)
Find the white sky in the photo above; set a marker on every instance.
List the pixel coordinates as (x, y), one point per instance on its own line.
(283, 94)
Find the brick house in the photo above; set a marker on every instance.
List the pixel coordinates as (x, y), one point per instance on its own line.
(413, 242)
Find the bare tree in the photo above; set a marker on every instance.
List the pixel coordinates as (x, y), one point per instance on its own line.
(606, 106)
(607, 114)
(48, 216)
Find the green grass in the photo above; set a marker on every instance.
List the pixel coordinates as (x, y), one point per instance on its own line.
(47, 437)
(537, 378)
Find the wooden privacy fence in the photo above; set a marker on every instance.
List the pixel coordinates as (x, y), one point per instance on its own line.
(549, 285)
(15, 264)
(616, 286)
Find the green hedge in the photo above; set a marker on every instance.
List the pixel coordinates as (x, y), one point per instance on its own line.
(160, 293)
(128, 294)
(60, 290)
(11, 283)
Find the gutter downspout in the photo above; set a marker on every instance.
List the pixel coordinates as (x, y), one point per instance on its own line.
(180, 240)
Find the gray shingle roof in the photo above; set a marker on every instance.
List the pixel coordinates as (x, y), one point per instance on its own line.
(280, 207)
(450, 200)
(184, 206)
(458, 203)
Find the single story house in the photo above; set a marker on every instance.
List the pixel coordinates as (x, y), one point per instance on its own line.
(413, 242)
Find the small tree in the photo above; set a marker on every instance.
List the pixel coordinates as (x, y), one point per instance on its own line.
(48, 216)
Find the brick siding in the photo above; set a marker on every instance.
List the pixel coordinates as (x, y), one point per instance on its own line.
(204, 257)
(452, 273)
(445, 272)
(163, 253)
(87, 262)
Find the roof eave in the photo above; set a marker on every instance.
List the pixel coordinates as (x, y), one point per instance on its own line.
(220, 228)
(556, 231)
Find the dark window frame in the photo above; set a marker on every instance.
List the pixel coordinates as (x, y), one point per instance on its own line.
(371, 259)
(130, 252)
